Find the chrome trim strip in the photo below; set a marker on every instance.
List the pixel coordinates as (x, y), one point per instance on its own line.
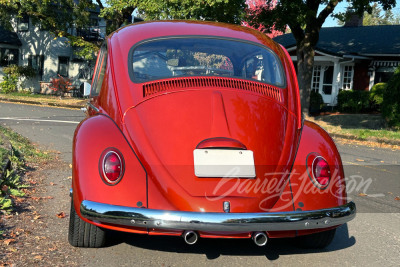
(93, 106)
(210, 221)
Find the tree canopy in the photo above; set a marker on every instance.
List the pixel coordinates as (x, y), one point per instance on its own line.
(58, 16)
(54, 16)
(380, 17)
(231, 11)
(253, 7)
(377, 16)
(305, 19)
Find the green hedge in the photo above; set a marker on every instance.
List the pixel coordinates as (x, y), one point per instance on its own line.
(354, 101)
(391, 101)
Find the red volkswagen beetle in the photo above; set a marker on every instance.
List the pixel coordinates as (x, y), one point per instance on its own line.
(194, 129)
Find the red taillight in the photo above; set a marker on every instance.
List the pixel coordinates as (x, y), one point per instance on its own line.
(111, 166)
(318, 170)
(321, 171)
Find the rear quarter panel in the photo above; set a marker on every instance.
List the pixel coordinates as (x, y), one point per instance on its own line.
(306, 196)
(91, 138)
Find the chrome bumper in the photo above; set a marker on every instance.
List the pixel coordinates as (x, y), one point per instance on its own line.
(210, 221)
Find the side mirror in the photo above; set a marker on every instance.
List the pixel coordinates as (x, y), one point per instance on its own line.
(86, 89)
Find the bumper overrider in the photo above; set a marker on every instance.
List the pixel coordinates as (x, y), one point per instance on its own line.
(214, 221)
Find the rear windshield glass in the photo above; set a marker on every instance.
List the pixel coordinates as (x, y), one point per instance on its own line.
(182, 57)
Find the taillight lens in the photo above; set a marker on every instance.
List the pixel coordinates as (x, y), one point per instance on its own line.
(112, 167)
(321, 171)
(318, 170)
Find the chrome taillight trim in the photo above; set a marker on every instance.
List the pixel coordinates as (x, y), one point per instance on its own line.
(315, 181)
(103, 156)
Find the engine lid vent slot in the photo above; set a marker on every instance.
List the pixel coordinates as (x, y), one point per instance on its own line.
(151, 88)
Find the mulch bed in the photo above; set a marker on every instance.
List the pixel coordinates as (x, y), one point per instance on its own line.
(31, 236)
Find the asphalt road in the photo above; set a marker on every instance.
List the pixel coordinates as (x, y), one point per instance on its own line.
(371, 239)
(51, 128)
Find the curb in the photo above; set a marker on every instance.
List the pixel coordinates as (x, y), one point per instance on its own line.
(41, 103)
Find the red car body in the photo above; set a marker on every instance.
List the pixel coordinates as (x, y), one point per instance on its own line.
(152, 127)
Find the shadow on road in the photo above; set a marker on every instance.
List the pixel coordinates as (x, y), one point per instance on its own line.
(214, 248)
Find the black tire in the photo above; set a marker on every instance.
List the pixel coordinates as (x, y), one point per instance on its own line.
(83, 234)
(317, 240)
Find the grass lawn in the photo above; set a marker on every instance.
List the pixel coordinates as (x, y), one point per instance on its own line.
(22, 94)
(366, 133)
(361, 126)
(22, 147)
(3, 150)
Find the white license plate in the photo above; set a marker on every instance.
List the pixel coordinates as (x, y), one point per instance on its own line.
(224, 163)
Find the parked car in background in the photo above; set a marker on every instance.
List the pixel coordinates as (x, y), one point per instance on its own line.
(194, 129)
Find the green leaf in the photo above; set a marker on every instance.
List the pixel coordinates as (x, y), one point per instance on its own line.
(5, 203)
(17, 193)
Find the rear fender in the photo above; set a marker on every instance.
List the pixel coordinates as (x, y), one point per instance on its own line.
(92, 137)
(306, 195)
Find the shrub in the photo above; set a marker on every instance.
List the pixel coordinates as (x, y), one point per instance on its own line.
(9, 84)
(60, 85)
(391, 101)
(316, 102)
(26, 71)
(20, 71)
(13, 74)
(353, 101)
(376, 95)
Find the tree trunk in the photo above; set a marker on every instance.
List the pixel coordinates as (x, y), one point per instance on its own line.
(305, 63)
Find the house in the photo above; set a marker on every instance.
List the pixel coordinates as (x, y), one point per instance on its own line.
(31, 45)
(350, 58)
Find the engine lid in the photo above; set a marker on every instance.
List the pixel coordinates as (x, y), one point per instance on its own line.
(166, 129)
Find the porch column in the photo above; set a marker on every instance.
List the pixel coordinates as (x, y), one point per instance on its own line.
(371, 73)
(336, 82)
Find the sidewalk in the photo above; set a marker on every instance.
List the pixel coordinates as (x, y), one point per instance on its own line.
(46, 101)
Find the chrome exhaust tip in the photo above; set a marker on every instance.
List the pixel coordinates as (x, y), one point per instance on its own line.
(260, 238)
(190, 237)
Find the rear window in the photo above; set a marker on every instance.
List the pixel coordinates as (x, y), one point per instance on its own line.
(196, 56)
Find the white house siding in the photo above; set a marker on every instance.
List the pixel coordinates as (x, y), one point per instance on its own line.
(39, 42)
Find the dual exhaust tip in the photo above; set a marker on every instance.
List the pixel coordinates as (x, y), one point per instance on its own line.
(260, 238)
(191, 238)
